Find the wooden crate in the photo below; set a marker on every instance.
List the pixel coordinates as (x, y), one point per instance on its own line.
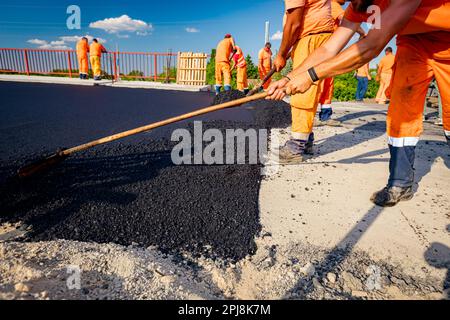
(191, 68)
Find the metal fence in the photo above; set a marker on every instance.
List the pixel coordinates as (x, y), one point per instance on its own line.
(150, 66)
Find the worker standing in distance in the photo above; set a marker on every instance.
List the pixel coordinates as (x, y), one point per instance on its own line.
(241, 69)
(224, 50)
(308, 25)
(95, 51)
(82, 55)
(384, 75)
(265, 62)
(326, 97)
(363, 76)
(423, 42)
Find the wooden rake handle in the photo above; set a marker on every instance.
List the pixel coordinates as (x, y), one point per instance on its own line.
(158, 124)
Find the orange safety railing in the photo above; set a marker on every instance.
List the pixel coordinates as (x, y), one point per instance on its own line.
(151, 66)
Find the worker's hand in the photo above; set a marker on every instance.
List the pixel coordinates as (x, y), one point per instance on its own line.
(299, 84)
(377, 78)
(277, 89)
(279, 63)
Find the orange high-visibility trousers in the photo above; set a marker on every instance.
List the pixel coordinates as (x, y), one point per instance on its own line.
(96, 66)
(385, 80)
(223, 68)
(327, 93)
(83, 64)
(262, 74)
(304, 105)
(420, 58)
(241, 78)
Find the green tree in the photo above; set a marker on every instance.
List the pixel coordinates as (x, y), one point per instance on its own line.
(345, 87)
(211, 68)
(252, 69)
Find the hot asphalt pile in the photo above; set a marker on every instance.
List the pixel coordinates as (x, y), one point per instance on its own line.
(131, 193)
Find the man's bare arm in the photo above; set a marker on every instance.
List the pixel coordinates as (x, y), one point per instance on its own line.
(291, 33)
(331, 48)
(393, 19)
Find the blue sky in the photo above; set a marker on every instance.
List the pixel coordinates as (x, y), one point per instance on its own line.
(150, 25)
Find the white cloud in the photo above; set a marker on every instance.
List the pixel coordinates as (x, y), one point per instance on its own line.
(277, 36)
(77, 38)
(62, 43)
(192, 30)
(122, 24)
(54, 47)
(57, 43)
(38, 42)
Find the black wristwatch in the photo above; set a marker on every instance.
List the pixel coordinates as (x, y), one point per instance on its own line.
(312, 73)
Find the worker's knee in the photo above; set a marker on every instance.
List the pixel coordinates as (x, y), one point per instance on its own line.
(302, 120)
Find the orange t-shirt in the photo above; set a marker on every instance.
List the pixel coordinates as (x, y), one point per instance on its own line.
(363, 71)
(265, 59)
(432, 15)
(96, 49)
(82, 48)
(316, 16)
(224, 49)
(387, 63)
(337, 13)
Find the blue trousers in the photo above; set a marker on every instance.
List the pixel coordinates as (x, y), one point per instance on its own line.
(361, 90)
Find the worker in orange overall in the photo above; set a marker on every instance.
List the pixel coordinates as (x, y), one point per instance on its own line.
(423, 42)
(241, 68)
(384, 75)
(265, 63)
(82, 55)
(224, 50)
(308, 25)
(95, 51)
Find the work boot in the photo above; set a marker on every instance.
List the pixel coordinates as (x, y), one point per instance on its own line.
(325, 113)
(246, 91)
(227, 88)
(390, 196)
(294, 150)
(217, 89)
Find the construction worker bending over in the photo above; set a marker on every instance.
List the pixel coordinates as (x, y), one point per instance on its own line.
(82, 55)
(224, 50)
(384, 75)
(423, 42)
(241, 68)
(96, 49)
(265, 63)
(308, 25)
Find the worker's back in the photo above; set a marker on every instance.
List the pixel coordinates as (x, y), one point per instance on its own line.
(82, 48)
(224, 49)
(387, 63)
(96, 49)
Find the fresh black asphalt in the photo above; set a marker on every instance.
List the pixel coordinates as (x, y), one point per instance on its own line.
(127, 192)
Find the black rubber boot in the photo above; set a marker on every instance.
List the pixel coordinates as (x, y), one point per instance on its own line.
(390, 196)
